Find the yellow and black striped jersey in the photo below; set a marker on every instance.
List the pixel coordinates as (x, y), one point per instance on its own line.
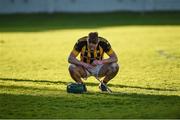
(89, 56)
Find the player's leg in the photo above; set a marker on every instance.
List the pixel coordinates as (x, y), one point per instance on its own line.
(108, 71)
(77, 72)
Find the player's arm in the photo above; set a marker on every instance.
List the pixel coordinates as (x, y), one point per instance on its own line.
(109, 51)
(112, 57)
(73, 56)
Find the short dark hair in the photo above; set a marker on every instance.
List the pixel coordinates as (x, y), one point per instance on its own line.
(93, 37)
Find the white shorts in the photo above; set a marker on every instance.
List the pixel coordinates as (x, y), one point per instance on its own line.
(94, 71)
(91, 72)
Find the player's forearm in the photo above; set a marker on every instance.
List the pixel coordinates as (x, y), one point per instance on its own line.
(75, 61)
(110, 60)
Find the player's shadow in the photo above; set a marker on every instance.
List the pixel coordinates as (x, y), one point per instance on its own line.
(60, 21)
(87, 83)
(37, 81)
(137, 87)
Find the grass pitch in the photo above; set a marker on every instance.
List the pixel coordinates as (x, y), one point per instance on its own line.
(34, 70)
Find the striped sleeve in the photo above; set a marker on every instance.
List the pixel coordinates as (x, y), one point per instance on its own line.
(78, 46)
(106, 47)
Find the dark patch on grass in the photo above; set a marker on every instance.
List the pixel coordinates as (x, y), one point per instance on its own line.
(167, 55)
(2, 41)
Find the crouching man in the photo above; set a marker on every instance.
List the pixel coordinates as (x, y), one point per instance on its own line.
(91, 63)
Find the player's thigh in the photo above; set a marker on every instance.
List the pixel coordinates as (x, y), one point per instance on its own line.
(103, 70)
(77, 70)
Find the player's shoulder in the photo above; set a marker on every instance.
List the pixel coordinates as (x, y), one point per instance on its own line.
(82, 39)
(103, 40)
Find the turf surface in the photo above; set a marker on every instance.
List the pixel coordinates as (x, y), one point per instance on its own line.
(34, 71)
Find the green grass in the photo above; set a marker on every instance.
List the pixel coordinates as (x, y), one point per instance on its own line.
(34, 70)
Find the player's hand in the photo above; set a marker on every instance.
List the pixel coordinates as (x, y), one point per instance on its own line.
(97, 62)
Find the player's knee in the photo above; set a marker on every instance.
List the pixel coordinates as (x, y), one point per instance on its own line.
(72, 68)
(114, 67)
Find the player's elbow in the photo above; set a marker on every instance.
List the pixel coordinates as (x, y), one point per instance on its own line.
(69, 59)
(115, 59)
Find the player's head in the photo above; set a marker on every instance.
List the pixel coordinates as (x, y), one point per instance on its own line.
(93, 37)
(93, 40)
